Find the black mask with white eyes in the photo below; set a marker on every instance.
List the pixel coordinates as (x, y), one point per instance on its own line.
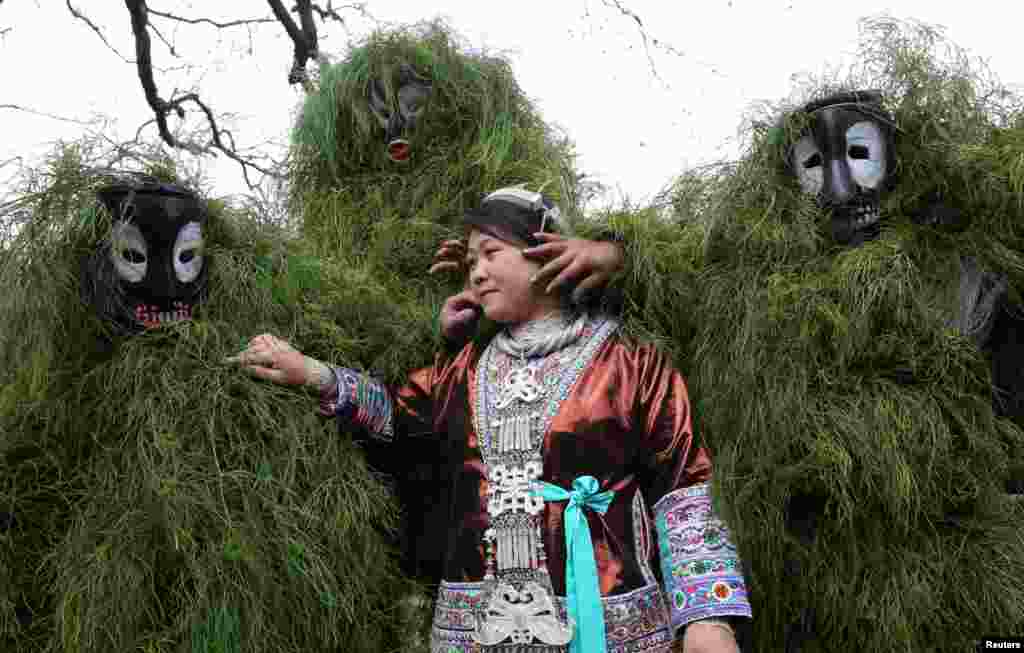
(845, 160)
(151, 270)
(398, 118)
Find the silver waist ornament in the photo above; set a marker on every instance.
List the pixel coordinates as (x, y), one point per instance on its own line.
(517, 397)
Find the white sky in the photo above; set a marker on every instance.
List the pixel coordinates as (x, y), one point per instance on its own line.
(583, 63)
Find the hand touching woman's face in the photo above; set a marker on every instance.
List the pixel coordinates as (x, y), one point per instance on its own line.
(500, 280)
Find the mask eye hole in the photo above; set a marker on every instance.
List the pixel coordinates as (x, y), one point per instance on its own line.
(133, 256)
(866, 147)
(859, 152)
(129, 252)
(188, 254)
(808, 164)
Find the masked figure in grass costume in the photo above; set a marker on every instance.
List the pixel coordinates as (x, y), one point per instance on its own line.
(574, 467)
(159, 502)
(890, 351)
(856, 358)
(404, 134)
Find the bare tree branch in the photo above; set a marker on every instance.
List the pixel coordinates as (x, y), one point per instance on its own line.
(161, 108)
(196, 21)
(331, 12)
(44, 114)
(304, 39)
(166, 42)
(82, 17)
(615, 4)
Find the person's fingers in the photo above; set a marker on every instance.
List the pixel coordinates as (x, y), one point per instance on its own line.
(464, 316)
(551, 268)
(442, 266)
(463, 300)
(263, 357)
(263, 337)
(266, 373)
(546, 250)
(593, 281)
(548, 237)
(569, 272)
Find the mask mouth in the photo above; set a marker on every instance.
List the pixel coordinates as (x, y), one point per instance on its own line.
(152, 316)
(856, 222)
(399, 150)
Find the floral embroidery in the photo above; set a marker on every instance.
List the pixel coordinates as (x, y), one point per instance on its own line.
(699, 563)
(635, 622)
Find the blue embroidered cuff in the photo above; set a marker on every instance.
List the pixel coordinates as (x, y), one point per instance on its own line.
(362, 402)
(700, 568)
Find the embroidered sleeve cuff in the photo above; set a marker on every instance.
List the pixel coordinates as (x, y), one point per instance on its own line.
(359, 401)
(699, 564)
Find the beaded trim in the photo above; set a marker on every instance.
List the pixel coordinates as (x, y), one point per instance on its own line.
(642, 537)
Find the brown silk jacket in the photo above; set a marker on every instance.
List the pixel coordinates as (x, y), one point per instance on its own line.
(626, 421)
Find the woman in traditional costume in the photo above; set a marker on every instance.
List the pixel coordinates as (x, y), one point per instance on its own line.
(573, 467)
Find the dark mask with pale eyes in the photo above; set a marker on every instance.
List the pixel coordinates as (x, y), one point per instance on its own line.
(846, 160)
(398, 119)
(150, 271)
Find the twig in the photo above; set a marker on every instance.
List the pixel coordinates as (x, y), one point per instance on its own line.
(82, 17)
(196, 21)
(42, 113)
(161, 107)
(615, 4)
(166, 42)
(331, 12)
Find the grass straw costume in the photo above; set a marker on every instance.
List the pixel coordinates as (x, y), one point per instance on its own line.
(156, 500)
(849, 265)
(578, 497)
(405, 132)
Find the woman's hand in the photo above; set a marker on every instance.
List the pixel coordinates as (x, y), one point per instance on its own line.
(592, 263)
(273, 359)
(459, 316)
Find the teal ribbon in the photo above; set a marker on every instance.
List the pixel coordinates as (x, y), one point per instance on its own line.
(581, 587)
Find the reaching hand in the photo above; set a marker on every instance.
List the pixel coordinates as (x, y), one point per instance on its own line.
(591, 263)
(451, 257)
(459, 316)
(273, 359)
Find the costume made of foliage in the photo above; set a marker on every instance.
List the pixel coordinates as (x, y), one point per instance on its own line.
(858, 447)
(561, 408)
(468, 127)
(158, 500)
(459, 126)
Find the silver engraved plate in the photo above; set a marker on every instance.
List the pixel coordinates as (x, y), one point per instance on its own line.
(520, 616)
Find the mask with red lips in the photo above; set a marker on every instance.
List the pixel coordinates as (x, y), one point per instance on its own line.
(151, 270)
(846, 160)
(398, 119)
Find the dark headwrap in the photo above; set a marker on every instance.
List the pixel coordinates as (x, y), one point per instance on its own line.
(519, 213)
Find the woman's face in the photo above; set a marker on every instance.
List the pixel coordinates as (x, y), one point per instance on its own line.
(499, 278)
